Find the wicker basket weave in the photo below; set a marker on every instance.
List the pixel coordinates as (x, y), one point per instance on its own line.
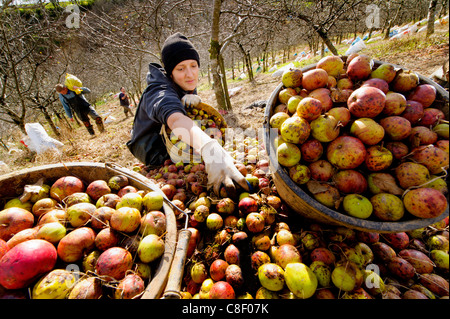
(187, 155)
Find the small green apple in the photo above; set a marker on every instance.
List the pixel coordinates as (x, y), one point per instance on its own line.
(133, 200)
(15, 202)
(214, 221)
(150, 248)
(357, 206)
(153, 201)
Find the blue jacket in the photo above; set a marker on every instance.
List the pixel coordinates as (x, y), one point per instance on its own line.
(161, 98)
(69, 96)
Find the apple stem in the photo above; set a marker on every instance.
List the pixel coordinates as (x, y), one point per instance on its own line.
(338, 125)
(163, 234)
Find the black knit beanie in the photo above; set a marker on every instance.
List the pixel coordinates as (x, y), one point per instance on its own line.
(176, 49)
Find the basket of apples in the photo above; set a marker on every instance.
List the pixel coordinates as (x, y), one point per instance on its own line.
(360, 143)
(83, 231)
(208, 119)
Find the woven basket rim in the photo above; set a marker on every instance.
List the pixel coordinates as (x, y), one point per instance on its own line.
(178, 155)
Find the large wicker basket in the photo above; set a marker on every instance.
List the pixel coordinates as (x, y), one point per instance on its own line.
(302, 202)
(12, 185)
(188, 156)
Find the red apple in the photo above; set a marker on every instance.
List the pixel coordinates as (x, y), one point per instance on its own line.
(314, 79)
(395, 127)
(66, 186)
(413, 111)
(366, 102)
(360, 67)
(311, 150)
(377, 83)
(97, 189)
(346, 152)
(350, 181)
(321, 170)
(13, 220)
(324, 96)
(424, 94)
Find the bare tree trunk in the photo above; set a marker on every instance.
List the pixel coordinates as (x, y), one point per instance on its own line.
(63, 120)
(265, 57)
(443, 10)
(391, 21)
(224, 83)
(209, 75)
(2, 144)
(48, 118)
(232, 65)
(214, 52)
(248, 62)
(431, 17)
(18, 120)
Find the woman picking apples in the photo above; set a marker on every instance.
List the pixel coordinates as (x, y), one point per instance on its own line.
(163, 102)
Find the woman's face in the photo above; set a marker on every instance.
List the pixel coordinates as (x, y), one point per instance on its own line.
(185, 74)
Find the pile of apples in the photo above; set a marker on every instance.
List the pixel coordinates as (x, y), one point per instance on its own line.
(255, 247)
(368, 141)
(74, 240)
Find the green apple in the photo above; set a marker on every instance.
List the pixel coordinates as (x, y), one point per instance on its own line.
(150, 248)
(214, 221)
(243, 194)
(357, 205)
(253, 180)
(440, 258)
(288, 154)
(385, 72)
(153, 201)
(15, 202)
(277, 119)
(300, 280)
(133, 200)
(52, 232)
(43, 192)
(293, 103)
(300, 174)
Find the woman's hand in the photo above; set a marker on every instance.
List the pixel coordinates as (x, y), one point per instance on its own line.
(191, 100)
(219, 164)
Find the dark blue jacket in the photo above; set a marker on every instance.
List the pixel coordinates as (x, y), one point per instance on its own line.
(161, 98)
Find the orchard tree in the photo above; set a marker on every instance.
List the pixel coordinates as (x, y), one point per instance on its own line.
(431, 17)
(28, 41)
(321, 15)
(118, 40)
(242, 27)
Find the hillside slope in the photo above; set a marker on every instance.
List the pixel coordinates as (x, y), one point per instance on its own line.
(414, 52)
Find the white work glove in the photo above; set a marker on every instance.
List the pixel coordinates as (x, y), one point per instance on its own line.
(191, 100)
(219, 166)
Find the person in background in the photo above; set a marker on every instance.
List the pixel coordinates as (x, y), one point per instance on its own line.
(170, 89)
(125, 102)
(77, 103)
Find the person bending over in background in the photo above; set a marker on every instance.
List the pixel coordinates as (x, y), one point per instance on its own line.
(163, 102)
(82, 108)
